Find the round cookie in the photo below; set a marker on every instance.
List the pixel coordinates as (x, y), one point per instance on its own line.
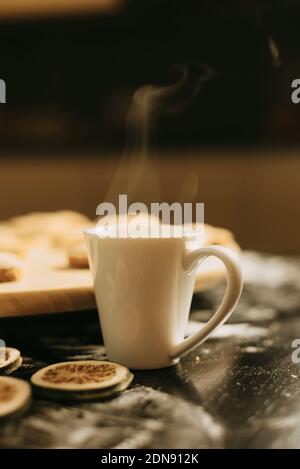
(60, 227)
(10, 242)
(11, 267)
(77, 255)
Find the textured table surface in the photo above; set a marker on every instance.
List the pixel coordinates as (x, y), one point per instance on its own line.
(239, 389)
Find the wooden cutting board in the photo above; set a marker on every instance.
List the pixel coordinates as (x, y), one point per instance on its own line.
(48, 286)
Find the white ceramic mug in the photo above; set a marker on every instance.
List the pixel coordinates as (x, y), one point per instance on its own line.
(144, 288)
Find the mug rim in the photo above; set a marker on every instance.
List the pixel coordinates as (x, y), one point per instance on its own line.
(94, 231)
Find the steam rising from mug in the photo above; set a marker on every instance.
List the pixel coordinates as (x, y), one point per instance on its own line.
(135, 175)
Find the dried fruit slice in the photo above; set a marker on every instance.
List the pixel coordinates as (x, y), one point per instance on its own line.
(15, 394)
(104, 393)
(81, 379)
(10, 360)
(78, 258)
(13, 368)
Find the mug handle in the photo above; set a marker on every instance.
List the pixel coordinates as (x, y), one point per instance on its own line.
(232, 294)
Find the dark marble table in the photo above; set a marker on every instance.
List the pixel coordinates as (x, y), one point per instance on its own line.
(240, 389)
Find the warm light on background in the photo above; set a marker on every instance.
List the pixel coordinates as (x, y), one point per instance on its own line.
(71, 68)
(13, 8)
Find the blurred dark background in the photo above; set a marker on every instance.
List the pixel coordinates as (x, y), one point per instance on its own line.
(71, 67)
(70, 77)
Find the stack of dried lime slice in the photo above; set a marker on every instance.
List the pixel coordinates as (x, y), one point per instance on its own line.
(10, 360)
(81, 380)
(15, 395)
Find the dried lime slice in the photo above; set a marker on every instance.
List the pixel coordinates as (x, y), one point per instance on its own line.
(79, 376)
(12, 368)
(105, 393)
(94, 394)
(10, 360)
(15, 394)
